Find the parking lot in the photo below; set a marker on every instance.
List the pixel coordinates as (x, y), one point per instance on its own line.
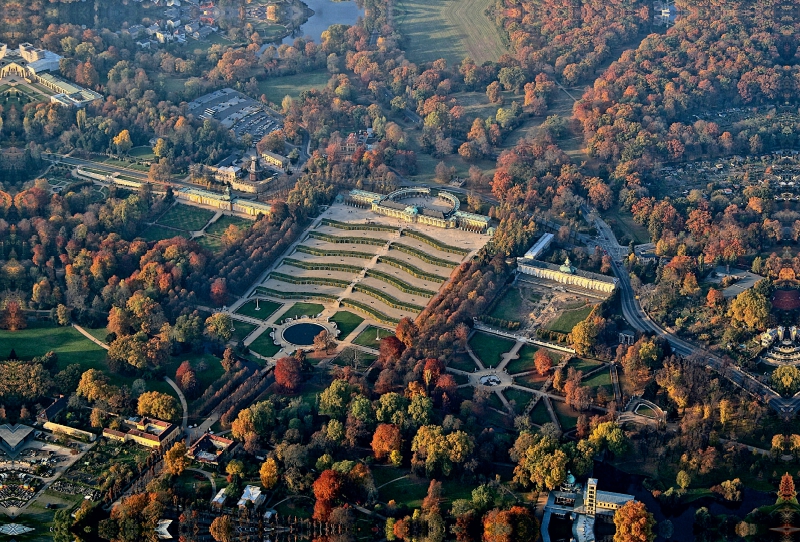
(236, 111)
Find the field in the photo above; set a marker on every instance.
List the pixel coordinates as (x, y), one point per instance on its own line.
(144, 152)
(347, 322)
(276, 88)
(268, 308)
(371, 337)
(219, 227)
(241, 330)
(450, 29)
(539, 414)
(158, 233)
(186, 218)
(519, 397)
(68, 343)
(525, 360)
(566, 416)
(569, 319)
(489, 348)
(264, 345)
(624, 226)
(303, 309)
(509, 306)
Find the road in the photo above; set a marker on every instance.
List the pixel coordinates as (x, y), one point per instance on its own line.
(639, 319)
(184, 404)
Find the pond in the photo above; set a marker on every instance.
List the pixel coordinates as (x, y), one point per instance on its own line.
(682, 516)
(326, 13)
(302, 334)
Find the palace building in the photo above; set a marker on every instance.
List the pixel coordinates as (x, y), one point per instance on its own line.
(419, 205)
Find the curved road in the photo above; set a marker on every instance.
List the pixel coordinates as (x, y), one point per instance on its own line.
(640, 320)
(184, 404)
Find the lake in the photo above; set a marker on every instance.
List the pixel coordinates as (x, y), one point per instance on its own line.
(326, 13)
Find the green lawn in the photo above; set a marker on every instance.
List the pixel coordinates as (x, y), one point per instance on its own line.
(371, 337)
(539, 414)
(157, 233)
(144, 152)
(347, 322)
(276, 88)
(185, 217)
(581, 364)
(219, 227)
(566, 416)
(212, 367)
(406, 489)
(569, 319)
(264, 345)
(303, 309)
(519, 397)
(210, 243)
(489, 348)
(600, 378)
(532, 380)
(346, 358)
(509, 306)
(644, 410)
(449, 29)
(40, 338)
(623, 224)
(267, 309)
(462, 362)
(525, 360)
(241, 330)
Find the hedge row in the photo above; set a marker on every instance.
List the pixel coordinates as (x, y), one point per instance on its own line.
(552, 336)
(386, 298)
(342, 253)
(295, 295)
(323, 266)
(423, 256)
(410, 269)
(350, 240)
(350, 226)
(321, 281)
(434, 243)
(375, 313)
(399, 284)
(511, 325)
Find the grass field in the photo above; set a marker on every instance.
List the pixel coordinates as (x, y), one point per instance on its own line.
(532, 380)
(219, 227)
(623, 225)
(450, 29)
(489, 348)
(39, 339)
(462, 362)
(241, 330)
(520, 398)
(525, 360)
(185, 217)
(210, 243)
(303, 309)
(144, 152)
(276, 88)
(347, 322)
(580, 364)
(407, 489)
(509, 306)
(568, 319)
(157, 233)
(267, 309)
(371, 337)
(600, 378)
(566, 416)
(539, 414)
(264, 345)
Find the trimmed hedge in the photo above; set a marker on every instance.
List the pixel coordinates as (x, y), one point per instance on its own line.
(375, 313)
(349, 240)
(434, 243)
(511, 325)
(323, 266)
(321, 281)
(423, 256)
(295, 295)
(349, 226)
(386, 298)
(342, 253)
(399, 284)
(410, 269)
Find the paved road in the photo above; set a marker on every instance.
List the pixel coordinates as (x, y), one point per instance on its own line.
(210, 479)
(184, 404)
(89, 336)
(639, 319)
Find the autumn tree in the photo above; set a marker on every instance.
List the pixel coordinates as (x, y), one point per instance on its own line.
(288, 374)
(175, 460)
(542, 361)
(324, 341)
(327, 490)
(219, 291)
(158, 405)
(634, 523)
(219, 327)
(269, 473)
(12, 317)
(387, 439)
(123, 142)
(751, 309)
(222, 529)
